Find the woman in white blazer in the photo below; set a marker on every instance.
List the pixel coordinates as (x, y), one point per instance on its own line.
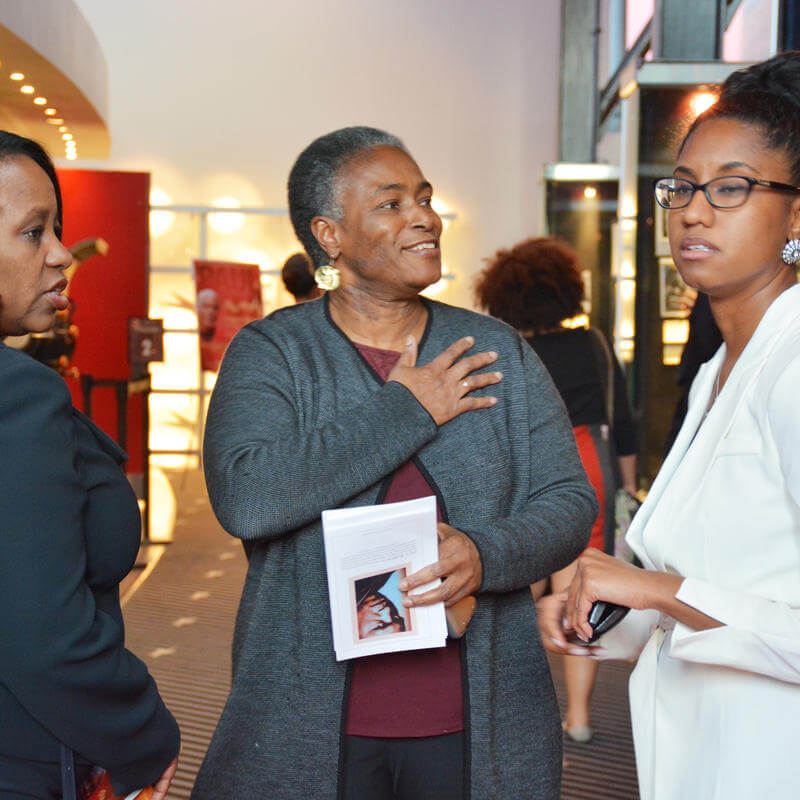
(715, 696)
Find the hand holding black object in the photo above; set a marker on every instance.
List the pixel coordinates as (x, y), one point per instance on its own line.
(603, 617)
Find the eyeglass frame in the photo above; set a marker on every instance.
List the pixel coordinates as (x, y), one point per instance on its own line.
(703, 187)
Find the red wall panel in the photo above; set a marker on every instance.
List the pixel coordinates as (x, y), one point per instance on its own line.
(108, 289)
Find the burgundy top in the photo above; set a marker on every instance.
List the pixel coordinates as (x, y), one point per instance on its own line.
(417, 692)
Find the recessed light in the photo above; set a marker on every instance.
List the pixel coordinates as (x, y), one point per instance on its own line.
(72, 156)
(66, 136)
(27, 89)
(17, 76)
(63, 128)
(55, 121)
(40, 101)
(49, 111)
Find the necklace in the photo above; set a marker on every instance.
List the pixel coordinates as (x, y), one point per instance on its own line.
(714, 396)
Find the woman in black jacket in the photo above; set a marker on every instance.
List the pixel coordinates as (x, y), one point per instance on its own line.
(69, 533)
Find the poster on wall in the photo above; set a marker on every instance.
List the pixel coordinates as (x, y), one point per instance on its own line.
(228, 296)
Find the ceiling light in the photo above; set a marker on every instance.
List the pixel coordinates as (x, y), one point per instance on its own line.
(27, 89)
(40, 101)
(590, 193)
(66, 136)
(701, 101)
(63, 128)
(55, 121)
(70, 145)
(17, 76)
(49, 111)
(71, 156)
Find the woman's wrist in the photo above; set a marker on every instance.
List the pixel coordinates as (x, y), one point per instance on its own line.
(661, 590)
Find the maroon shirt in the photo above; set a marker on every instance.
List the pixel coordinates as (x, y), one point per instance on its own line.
(417, 692)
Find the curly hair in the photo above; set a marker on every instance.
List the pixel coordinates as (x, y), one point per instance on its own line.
(766, 95)
(533, 286)
(312, 180)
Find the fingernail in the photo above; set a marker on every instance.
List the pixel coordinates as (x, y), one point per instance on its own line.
(578, 651)
(498, 375)
(493, 354)
(558, 642)
(492, 401)
(470, 339)
(403, 585)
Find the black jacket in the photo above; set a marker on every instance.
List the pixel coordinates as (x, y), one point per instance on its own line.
(69, 533)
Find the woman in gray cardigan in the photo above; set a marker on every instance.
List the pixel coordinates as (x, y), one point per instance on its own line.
(368, 395)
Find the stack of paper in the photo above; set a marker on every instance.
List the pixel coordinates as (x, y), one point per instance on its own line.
(368, 550)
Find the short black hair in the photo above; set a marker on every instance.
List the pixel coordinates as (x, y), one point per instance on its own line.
(766, 95)
(14, 146)
(297, 275)
(312, 180)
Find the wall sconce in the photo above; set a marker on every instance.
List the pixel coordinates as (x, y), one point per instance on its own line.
(226, 222)
(701, 101)
(674, 335)
(160, 221)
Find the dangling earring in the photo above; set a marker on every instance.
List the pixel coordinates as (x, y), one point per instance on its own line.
(791, 253)
(328, 277)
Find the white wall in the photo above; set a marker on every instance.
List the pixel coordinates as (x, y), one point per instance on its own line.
(217, 97)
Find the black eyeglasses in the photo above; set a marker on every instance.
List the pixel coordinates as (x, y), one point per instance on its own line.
(731, 191)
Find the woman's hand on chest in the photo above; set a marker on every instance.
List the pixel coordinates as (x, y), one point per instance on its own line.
(443, 387)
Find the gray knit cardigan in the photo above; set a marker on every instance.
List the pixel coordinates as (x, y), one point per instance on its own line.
(298, 423)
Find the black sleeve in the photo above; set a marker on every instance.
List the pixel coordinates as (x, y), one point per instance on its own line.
(61, 656)
(624, 426)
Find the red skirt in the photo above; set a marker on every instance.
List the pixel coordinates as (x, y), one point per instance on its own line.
(596, 456)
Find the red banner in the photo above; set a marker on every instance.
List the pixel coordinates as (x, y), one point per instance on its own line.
(228, 297)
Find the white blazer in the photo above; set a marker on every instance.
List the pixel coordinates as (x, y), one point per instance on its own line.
(716, 713)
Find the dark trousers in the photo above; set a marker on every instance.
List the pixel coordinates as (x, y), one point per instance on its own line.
(428, 768)
(21, 779)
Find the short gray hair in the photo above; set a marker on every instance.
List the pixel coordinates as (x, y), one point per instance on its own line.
(312, 180)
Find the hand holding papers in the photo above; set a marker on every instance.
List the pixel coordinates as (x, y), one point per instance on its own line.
(368, 551)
